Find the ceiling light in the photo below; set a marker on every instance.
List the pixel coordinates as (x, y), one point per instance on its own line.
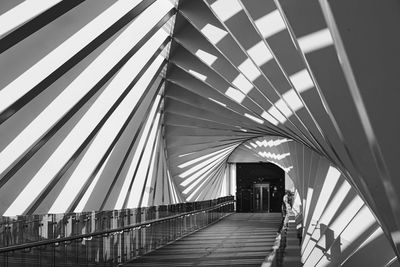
(249, 70)
(242, 84)
(269, 118)
(198, 75)
(214, 34)
(260, 53)
(260, 121)
(216, 101)
(315, 41)
(208, 58)
(225, 9)
(302, 81)
(293, 100)
(235, 94)
(270, 24)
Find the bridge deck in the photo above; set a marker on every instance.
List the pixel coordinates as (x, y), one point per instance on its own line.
(242, 239)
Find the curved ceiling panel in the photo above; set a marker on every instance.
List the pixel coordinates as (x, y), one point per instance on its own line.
(81, 107)
(244, 69)
(114, 104)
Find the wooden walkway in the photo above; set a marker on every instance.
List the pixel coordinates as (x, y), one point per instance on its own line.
(241, 239)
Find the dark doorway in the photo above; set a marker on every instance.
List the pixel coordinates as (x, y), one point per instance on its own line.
(260, 187)
(261, 197)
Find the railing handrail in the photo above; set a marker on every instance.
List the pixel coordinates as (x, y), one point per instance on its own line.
(15, 219)
(108, 231)
(270, 260)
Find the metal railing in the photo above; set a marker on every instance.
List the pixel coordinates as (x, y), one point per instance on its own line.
(107, 238)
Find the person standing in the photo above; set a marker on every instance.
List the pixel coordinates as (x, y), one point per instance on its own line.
(285, 207)
(286, 203)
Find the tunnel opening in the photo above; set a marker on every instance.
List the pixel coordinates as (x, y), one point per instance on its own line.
(259, 187)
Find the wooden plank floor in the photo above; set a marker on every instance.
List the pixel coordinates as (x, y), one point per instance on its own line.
(241, 239)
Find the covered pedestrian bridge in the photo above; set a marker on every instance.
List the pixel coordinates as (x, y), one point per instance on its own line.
(126, 125)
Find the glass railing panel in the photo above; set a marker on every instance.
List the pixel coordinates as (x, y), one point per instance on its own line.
(106, 238)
